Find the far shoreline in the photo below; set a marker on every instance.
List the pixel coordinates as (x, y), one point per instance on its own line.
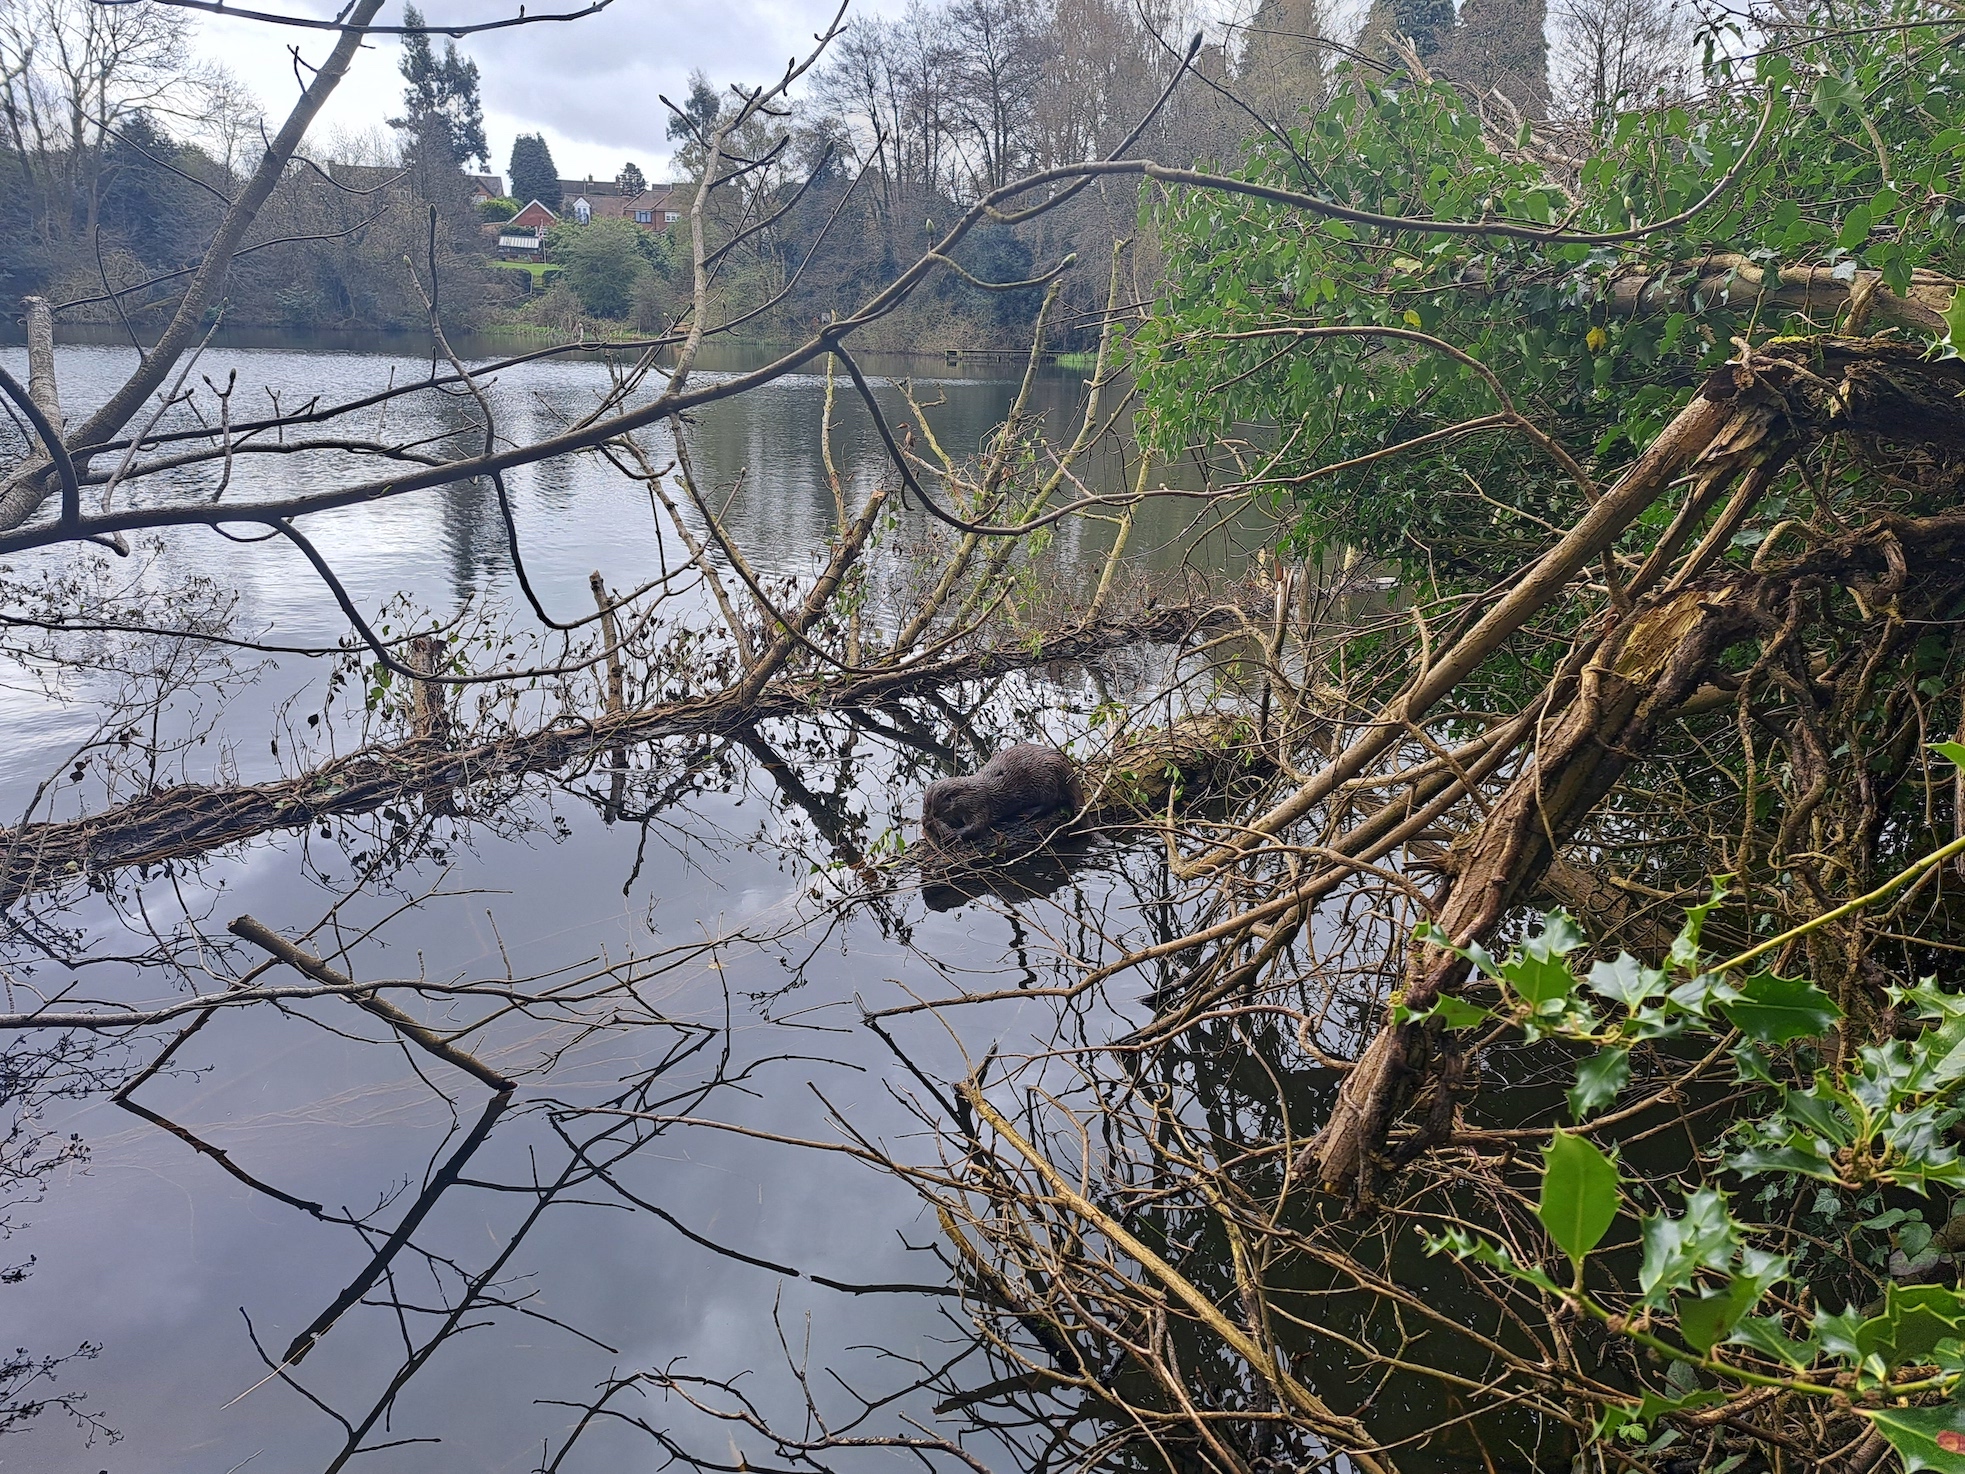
(499, 341)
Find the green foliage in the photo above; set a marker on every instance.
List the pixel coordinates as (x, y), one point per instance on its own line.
(533, 174)
(1598, 343)
(440, 95)
(500, 209)
(1925, 1438)
(605, 261)
(1703, 1292)
(1579, 1195)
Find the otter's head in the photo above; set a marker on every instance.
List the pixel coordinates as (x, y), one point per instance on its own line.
(952, 812)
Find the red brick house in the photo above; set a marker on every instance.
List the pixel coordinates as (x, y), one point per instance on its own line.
(583, 201)
(523, 237)
(587, 200)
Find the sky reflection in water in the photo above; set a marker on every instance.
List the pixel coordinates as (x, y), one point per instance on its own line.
(153, 1253)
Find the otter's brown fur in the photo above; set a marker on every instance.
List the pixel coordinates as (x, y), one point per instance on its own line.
(1019, 784)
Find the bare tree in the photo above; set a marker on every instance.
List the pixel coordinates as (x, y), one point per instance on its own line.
(1608, 55)
(71, 73)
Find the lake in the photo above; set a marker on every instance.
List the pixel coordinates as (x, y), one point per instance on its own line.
(712, 958)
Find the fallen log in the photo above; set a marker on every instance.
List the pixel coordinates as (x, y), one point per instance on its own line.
(1644, 666)
(193, 819)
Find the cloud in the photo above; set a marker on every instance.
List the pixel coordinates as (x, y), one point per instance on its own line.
(592, 86)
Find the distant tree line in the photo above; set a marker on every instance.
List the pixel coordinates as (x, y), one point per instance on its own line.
(119, 148)
(918, 116)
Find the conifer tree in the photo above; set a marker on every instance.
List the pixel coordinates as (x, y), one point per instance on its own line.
(534, 175)
(440, 96)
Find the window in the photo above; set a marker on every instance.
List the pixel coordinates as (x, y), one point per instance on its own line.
(582, 211)
(669, 217)
(644, 217)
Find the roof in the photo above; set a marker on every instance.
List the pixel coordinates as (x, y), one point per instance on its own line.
(624, 207)
(491, 184)
(597, 190)
(539, 214)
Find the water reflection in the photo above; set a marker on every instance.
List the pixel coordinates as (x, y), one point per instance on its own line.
(722, 1197)
(674, 961)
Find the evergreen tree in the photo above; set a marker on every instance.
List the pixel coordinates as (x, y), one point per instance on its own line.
(440, 99)
(534, 175)
(693, 126)
(1428, 24)
(630, 181)
(1503, 44)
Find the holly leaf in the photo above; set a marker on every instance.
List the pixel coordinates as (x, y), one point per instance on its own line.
(1453, 1013)
(1539, 972)
(1840, 1335)
(1915, 1319)
(1685, 946)
(1580, 1194)
(1777, 1010)
(1765, 1335)
(1654, 1406)
(1955, 340)
(1627, 981)
(1598, 1079)
(1710, 1318)
(1924, 1437)
(1463, 1245)
(1675, 1249)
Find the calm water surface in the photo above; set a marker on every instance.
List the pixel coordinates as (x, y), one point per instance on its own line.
(153, 1253)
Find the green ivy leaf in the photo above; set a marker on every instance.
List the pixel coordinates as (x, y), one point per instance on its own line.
(1580, 1194)
(1777, 1010)
(1856, 226)
(1954, 752)
(1598, 1079)
(1924, 1438)
(1832, 94)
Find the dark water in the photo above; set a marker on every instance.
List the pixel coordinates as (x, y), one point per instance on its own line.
(171, 1266)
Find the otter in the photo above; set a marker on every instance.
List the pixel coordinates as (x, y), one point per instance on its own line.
(1020, 783)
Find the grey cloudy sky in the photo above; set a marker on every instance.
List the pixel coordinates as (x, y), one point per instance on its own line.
(592, 86)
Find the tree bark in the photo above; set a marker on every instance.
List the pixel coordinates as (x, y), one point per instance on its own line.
(1645, 665)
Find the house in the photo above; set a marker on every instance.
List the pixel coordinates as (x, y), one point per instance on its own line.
(587, 200)
(523, 237)
(583, 199)
(486, 187)
(657, 207)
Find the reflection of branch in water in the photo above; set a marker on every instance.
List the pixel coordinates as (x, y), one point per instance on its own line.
(193, 819)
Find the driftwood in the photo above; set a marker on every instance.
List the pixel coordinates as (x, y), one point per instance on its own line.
(193, 819)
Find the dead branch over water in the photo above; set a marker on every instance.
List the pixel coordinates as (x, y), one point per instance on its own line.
(1183, 1231)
